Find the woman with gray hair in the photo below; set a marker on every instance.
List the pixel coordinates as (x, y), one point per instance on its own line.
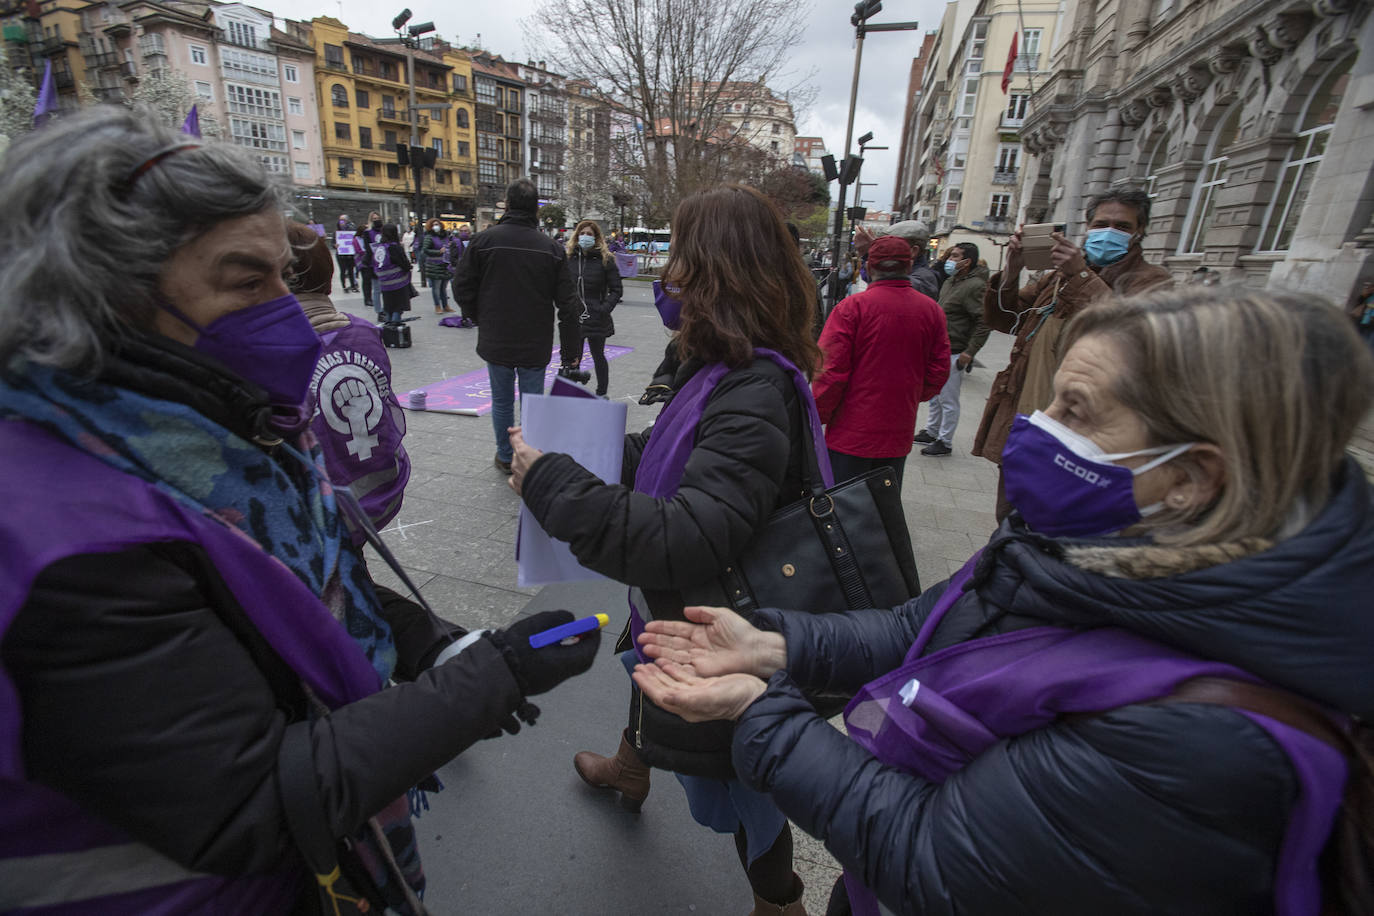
(1146, 693)
(191, 653)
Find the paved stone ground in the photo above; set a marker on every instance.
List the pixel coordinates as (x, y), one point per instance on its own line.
(516, 831)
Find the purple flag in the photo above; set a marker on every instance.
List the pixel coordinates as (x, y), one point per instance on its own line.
(47, 98)
(192, 123)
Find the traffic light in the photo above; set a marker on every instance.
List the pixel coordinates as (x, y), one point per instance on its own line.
(831, 170)
(863, 10)
(402, 154)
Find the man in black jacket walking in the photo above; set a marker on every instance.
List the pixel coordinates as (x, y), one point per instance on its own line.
(511, 279)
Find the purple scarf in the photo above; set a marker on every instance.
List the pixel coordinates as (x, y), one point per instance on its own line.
(933, 715)
(674, 437)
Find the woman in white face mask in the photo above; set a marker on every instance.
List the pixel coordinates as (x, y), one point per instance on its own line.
(599, 290)
(1155, 671)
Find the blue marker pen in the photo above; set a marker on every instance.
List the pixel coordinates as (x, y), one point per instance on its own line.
(576, 628)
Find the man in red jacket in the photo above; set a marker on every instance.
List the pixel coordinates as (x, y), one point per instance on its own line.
(886, 350)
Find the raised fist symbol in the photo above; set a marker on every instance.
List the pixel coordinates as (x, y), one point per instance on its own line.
(352, 398)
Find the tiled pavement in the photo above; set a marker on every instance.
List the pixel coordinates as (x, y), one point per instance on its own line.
(516, 831)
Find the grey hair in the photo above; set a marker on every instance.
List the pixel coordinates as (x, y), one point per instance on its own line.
(1278, 382)
(92, 247)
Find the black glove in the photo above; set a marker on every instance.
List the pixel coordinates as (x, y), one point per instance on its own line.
(574, 374)
(656, 393)
(538, 671)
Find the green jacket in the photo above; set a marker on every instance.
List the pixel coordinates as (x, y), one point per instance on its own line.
(962, 299)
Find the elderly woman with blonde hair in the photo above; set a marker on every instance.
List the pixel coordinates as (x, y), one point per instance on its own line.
(1144, 695)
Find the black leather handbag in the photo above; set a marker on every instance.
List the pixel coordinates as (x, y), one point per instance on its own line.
(842, 548)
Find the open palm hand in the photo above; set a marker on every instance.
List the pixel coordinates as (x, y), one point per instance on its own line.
(697, 699)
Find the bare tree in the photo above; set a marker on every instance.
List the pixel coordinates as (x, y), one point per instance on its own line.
(689, 72)
(166, 94)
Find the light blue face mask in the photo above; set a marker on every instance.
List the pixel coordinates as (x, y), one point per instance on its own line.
(1106, 246)
(950, 268)
(585, 241)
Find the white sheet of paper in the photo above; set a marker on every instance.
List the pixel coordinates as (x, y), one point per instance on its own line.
(592, 431)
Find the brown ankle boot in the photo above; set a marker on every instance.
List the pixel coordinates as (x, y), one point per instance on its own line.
(794, 907)
(624, 772)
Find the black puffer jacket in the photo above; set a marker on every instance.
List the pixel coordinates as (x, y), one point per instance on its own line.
(598, 288)
(1147, 809)
(143, 683)
(510, 280)
(745, 464)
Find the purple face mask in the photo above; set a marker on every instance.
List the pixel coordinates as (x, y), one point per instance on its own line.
(1064, 485)
(669, 309)
(271, 344)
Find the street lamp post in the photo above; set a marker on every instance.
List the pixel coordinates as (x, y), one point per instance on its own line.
(863, 11)
(416, 154)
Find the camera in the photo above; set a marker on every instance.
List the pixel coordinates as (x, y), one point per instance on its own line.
(574, 374)
(1036, 244)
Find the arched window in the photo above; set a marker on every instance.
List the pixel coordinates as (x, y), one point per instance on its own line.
(1159, 155)
(340, 95)
(1300, 167)
(461, 118)
(1209, 184)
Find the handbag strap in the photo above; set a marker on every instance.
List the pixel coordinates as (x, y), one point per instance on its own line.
(1271, 702)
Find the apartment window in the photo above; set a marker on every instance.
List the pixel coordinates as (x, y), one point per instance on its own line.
(302, 171)
(339, 95)
(393, 170)
(441, 176)
(362, 98)
(777, 128)
(513, 99)
(460, 82)
(461, 119)
(298, 139)
(1210, 181)
(465, 178)
(1008, 158)
(1017, 103)
(958, 153)
(253, 101)
(486, 91)
(198, 55)
(464, 150)
(333, 56)
(973, 67)
(205, 91)
(343, 132)
(438, 144)
(365, 137)
(773, 146)
(292, 75)
(1159, 157)
(263, 135)
(345, 166)
(980, 31)
(389, 139)
(1000, 207)
(369, 169)
(387, 70)
(275, 164)
(970, 99)
(294, 106)
(489, 172)
(1300, 167)
(241, 33)
(389, 105)
(1030, 42)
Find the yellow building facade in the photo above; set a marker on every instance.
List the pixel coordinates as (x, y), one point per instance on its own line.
(363, 92)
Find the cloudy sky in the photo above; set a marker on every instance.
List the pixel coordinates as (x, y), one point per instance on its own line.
(827, 47)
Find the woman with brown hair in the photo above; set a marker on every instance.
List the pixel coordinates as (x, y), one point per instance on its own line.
(725, 453)
(599, 290)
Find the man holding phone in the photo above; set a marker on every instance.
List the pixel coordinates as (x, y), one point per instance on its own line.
(1110, 261)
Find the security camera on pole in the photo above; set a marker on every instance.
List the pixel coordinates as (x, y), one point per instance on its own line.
(849, 169)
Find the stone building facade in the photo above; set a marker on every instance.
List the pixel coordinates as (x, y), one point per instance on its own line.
(1251, 125)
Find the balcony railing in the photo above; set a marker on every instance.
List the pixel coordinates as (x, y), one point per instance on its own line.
(1027, 63)
(1010, 123)
(63, 79)
(997, 222)
(336, 65)
(128, 70)
(1004, 176)
(52, 45)
(100, 59)
(399, 116)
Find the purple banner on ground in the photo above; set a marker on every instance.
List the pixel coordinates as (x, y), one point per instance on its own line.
(627, 262)
(470, 394)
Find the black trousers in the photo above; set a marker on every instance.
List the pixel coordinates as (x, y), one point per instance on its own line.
(370, 288)
(597, 347)
(847, 467)
(348, 278)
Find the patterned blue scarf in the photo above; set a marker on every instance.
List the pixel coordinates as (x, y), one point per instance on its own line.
(286, 505)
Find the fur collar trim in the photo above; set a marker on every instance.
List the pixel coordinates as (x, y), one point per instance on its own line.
(1158, 561)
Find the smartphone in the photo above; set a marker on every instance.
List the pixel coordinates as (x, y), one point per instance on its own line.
(1036, 243)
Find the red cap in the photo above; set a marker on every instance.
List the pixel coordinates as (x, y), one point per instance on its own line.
(889, 253)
